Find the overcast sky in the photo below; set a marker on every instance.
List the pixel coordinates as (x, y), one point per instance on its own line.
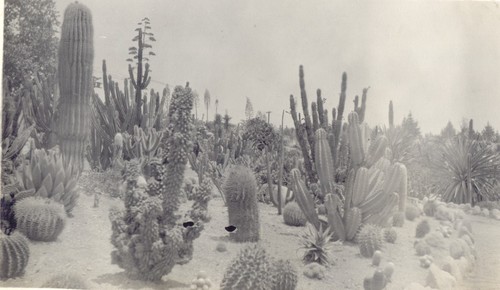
(439, 60)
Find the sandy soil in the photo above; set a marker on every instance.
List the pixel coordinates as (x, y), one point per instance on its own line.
(84, 248)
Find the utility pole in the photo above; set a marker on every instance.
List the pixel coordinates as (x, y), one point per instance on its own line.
(268, 116)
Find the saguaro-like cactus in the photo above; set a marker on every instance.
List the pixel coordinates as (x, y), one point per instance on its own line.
(76, 57)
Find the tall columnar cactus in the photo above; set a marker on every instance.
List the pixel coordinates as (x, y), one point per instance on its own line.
(240, 190)
(148, 235)
(75, 59)
(15, 254)
(40, 219)
(391, 115)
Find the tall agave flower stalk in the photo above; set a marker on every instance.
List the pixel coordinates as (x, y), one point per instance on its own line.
(75, 58)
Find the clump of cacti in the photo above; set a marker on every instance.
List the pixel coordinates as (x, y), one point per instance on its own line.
(46, 174)
(370, 239)
(423, 228)
(201, 282)
(251, 269)
(412, 212)
(66, 281)
(426, 261)
(15, 254)
(422, 248)
(149, 236)
(390, 235)
(40, 219)
(285, 275)
(240, 190)
(314, 271)
(293, 215)
(76, 84)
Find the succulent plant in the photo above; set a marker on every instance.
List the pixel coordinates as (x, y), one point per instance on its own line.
(389, 270)
(390, 235)
(429, 207)
(377, 258)
(398, 219)
(201, 282)
(40, 219)
(285, 275)
(293, 215)
(250, 270)
(422, 248)
(370, 240)
(46, 174)
(314, 271)
(15, 254)
(379, 280)
(240, 190)
(316, 245)
(423, 228)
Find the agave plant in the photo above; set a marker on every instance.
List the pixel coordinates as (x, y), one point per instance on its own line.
(46, 175)
(316, 244)
(469, 171)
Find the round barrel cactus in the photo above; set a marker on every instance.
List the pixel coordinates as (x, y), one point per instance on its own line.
(40, 219)
(370, 240)
(14, 256)
(293, 215)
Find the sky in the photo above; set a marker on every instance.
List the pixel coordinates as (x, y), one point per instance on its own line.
(439, 60)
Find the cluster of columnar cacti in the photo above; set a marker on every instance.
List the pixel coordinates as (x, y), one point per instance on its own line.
(240, 190)
(305, 131)
(370, 239)
(143, 143)
(40, 219)
(76, 83)
(50, 178)
(253, 268)
(116, 114)
(149, 236)
(373, 193)
(293, 215)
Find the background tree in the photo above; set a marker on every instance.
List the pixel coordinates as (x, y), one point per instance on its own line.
(249, 109)
(448, 131)
(196, 100)
(30, 41)
(488, 133)
(141, 79)
(410, 125)
(206, 98)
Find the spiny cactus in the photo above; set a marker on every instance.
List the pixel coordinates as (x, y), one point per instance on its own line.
(40, 219)
(284, 275)
(370, 239)
(241, 197)
(148, 236)
(333, 206)
(379, 280)
(15, 254)
(423, 228)
(412, 212)
(293, 215)
(352, 222)
(429, 207)
(398, 219)
(377, 258)
(250, 270)
(304, 198)
(390, 235)
(75, 59)
(50, 178)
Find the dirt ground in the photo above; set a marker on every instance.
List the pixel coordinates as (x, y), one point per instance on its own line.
(84, 248)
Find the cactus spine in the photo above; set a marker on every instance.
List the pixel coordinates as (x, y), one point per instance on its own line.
(15, 254)
(76, 57)
(241, 197)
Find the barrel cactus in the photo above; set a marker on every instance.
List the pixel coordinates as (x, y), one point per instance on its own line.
(15, 254)
(293, 215)
(370, 240)
(40, 219)
(240, 190)
(250, 270)
(285, 275)
(390, 235)
(46, 174)
(76, 83)
(423, 228)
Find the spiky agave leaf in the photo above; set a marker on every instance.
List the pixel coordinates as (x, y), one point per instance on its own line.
(316, 245)
(469, 170)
